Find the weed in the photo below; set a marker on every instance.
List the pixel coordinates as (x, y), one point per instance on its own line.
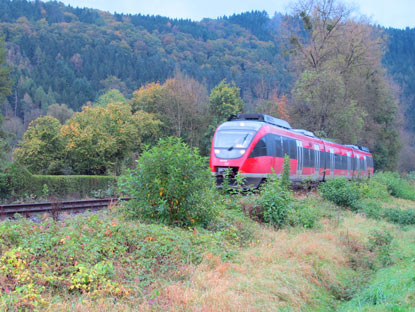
(304, 213)
(399, 216)
(379, 242)
(275, 202)
(340, 191)
(396, 185)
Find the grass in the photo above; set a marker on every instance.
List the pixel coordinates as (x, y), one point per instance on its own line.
(392, 288)
(103, 258)
(288, 270)
(339, 260)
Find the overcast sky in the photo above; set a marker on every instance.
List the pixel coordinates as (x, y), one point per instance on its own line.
(388, 13)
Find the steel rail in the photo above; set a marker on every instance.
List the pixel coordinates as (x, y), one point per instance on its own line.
(60, 206)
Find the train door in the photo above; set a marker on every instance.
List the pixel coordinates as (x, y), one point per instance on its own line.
(300, 159)
(349, 164)
(331, 162)
(317, 161)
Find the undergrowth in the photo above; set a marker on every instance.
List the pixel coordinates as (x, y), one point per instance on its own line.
(303, 253)
(104, 255)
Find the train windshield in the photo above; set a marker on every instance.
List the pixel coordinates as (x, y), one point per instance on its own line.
(231, 139)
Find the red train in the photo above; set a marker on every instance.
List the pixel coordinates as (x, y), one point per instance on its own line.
(255, 145)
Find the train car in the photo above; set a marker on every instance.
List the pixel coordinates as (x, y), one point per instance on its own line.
(254, 145)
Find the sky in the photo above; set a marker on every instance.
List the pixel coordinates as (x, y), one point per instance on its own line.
(388, 13)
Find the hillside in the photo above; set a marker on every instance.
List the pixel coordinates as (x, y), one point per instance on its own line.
(65, 55)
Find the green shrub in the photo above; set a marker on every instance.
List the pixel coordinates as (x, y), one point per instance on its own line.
(274, 202)
(370, 208)
(171, 185)
(17, 182)
(14, 181)
(373, 188)
(340, 191)
(398, 216)
(79, 185)
(304, 214)
(411, 177)
(397, 186)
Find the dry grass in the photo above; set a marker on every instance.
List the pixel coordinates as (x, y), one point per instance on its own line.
(399, 203)
(283, 270)
(289, 270)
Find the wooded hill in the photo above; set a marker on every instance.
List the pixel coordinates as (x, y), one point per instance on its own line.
(60, 54)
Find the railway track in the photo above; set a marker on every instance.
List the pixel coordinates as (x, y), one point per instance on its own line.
(57, 207)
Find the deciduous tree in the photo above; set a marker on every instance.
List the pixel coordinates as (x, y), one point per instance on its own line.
(180, 103)
(341, 87)
(61, 112)
(111, 96)
(98, 139)
(41, 150)
(224, 101)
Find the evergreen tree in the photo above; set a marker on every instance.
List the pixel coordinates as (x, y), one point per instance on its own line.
(5, 84)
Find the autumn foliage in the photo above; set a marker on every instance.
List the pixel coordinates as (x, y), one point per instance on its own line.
(95, 141)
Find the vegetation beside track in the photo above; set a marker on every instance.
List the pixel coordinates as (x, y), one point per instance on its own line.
(18, 184)
(263, 251)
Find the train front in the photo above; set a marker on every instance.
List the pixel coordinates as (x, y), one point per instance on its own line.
(231, 145)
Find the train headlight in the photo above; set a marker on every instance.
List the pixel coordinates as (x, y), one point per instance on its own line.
(217, 151)
(242, 152)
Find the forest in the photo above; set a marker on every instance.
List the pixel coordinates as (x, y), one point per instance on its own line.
(62, 59)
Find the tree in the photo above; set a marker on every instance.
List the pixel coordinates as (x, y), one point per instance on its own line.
(5, 84)
(341, 87)
(111, 96)
(5, 81)
(224, 101)
(60, 111)
(276, 106)
(99, 139)
(15, 129)
(41, 150)
(180, 103)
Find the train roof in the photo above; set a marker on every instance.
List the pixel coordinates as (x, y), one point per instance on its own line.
(262, 118)
(305, 132)
(359, 147)
(255, 121)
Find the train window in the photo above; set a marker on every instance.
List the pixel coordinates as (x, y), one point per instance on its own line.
(344, 162)
(370, 159)
(328, 164)
(322, 160)
(337, 161)
(306, 155)
(260, 149)
(233, 138)
(293, 149)
(286, 146)
(278, 145)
